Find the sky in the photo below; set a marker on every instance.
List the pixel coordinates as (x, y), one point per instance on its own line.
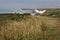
(29, 3)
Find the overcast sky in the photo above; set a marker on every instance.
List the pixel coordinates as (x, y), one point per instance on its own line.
(29, 3)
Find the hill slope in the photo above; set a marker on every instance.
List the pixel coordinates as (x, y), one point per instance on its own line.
(17, 27)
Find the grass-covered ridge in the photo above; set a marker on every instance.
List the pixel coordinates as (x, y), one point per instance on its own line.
(27, 27)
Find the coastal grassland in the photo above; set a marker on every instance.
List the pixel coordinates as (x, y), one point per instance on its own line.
(27, 27)
(52, 12)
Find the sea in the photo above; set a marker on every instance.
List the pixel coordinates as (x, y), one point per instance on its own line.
(15, 11)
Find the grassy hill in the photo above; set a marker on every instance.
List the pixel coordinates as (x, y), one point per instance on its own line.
(27, 27)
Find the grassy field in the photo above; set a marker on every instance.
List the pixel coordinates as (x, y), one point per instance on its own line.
(27, 27)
